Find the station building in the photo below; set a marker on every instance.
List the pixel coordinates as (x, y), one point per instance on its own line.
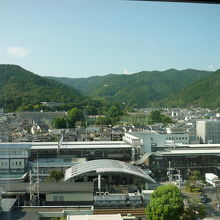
(179, 156)
(17, 159)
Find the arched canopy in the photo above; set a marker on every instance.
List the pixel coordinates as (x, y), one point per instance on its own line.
(105, 166)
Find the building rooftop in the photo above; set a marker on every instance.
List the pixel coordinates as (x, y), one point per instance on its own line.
(15, 145)
(190, 152)
(80, 145)
(49, 187)
(95, 217)
(105, 166)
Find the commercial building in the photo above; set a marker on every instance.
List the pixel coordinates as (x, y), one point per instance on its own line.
(208, 131)
(152, 141)
(14, 160)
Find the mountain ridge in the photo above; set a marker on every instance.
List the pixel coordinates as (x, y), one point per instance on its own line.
(21, 87)
(138, 89)
(203, 93)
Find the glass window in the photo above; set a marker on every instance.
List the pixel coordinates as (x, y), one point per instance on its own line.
(61, 198)
(12, 152)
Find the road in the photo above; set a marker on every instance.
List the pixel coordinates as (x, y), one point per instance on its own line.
(212, 202)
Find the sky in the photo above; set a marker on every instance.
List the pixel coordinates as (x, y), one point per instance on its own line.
(82, 38)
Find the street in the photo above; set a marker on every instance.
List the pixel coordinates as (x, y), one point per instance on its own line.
(213, 199)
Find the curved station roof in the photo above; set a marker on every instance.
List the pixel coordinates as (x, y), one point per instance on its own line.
(105, 166)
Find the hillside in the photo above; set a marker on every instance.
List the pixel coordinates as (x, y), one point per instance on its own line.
(203, 93)
(139, 89)
(20, 87)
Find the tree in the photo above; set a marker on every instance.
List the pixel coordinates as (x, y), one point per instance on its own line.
(166, 203)
(73, 116)
(114, 111)
(103, 121)
(90, 110)
(56, 175)
(193, 211)
(59, 123)
(154, 117)
(157, 117)
(166, 119)
(194, 182)
(195, 176)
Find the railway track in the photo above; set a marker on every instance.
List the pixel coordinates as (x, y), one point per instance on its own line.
(124, 212)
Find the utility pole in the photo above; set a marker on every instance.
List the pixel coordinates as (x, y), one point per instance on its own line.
(37, 184)
(179, 178)
(31, 189)
(86, 130)
(169, 173)
(34, 188)
(60, 142)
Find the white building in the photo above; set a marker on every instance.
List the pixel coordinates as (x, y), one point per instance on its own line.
(153, 139)
(208, 131)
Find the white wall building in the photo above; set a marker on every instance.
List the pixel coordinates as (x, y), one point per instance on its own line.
(208, 131)
(153, 139)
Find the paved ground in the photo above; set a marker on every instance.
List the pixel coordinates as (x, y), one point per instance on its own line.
(212, 202)
(16, 214)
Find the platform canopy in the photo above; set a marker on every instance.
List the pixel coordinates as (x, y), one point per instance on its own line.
(105, 166)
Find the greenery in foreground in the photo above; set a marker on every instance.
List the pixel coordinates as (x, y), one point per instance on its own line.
(167, 203)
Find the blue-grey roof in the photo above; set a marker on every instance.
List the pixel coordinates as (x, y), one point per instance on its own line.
(15, 146)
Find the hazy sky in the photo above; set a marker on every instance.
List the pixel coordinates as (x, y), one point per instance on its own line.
(81, 38)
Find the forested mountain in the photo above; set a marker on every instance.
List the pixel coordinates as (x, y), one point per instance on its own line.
(19, 87)
(203, 93)
(139, 89)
